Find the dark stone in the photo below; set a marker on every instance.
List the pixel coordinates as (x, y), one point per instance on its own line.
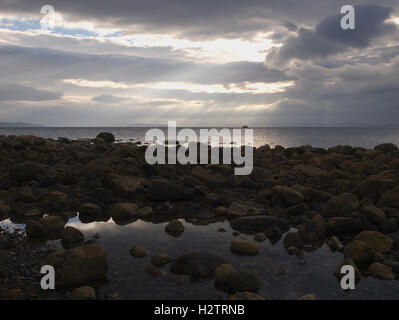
(196, 264)
(244, 280)
(258, 223)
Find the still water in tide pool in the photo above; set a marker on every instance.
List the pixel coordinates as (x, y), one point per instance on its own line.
(297, 277)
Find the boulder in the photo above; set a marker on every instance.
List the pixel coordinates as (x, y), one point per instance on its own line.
(79, 266)
(223, 272)
(386, 147)
(342, 225)
(388, 226)
(359, 252)
(174, 226)
(376, 240)
(83, 293)
(124, 186)
(342, 205)
(244, 247)
(71, 237)
(58, 201)
(258, 223)
(160, 260)
(373, 187)
(381, 271)
(208, 177)
(139, 252)
(90, 210)
(288, 195)
(106, 137)
(164, 190)
(196, 264)
(25, 171)
(46, 226)
(292, 239)
(244, 280)
(390, 199)
(124, 210)
(374, 214)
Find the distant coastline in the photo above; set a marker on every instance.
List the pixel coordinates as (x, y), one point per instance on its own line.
(19, 125)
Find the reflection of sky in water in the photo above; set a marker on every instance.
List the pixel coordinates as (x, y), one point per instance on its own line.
(313, 274)
(10, 226)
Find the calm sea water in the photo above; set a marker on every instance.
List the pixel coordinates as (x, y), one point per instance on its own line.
(287, 137)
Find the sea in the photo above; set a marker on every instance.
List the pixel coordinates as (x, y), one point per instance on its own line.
(323, 137)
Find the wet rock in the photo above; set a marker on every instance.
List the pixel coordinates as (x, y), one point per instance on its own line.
(373, 188)
(395, 238)
(390, 199)
(260, 237)
(258, 223)
(335, 244)
(244, 247)
(359, 252)
(244, 280)
(208, 177)
(155, 272)
(223, 272)
(374, 214)
(320, 222)
(386, 147)
(343, 225)
(71, 237)
(4, 210)
(145, 212)
(347, 262)
(83, 293)
(36, 230)
(46, 226)
(243, 208)
(164, 190)
(139, 252)
(4, 242)
(297, 209)
(160, 259)
(381, 271)
(58, 201)
(124, 210)
(26, 171)
(174, 226)
(106, 137)
(196, 264)
(33, 213)
(309, 232)
(292, 239)
(124, 186)
(288, 195)
(90, 211)
(389, 225)
(76, 267)
(341, 206)
(376, 240)
(245, 295)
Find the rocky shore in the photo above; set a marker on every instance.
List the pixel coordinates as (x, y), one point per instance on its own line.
(347, 197)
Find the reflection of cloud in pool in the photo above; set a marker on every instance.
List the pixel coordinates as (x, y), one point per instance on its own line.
(11, 226)
(101, 225)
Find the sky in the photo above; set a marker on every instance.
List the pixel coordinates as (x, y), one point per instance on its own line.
(212, 63)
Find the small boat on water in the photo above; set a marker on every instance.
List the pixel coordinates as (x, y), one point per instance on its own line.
(245, 127)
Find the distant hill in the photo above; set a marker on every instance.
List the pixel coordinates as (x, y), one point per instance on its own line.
(18, 125)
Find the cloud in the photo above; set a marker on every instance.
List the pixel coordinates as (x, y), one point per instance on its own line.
(329, 38)
(108, 98)
(17, 92)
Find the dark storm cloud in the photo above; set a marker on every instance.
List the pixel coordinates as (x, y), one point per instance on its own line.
(329, 38)
(17, 92)
(206, 18)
